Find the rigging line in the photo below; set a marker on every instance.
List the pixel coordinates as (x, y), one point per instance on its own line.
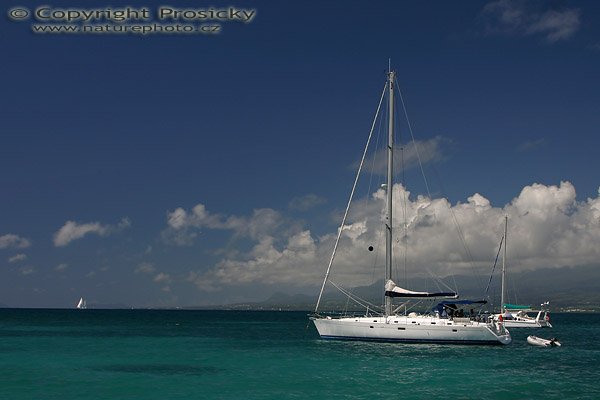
(367, 198)
(412, 137)
(356, 299)
(388, 223)
(412, 306)
(515, 265)
(384, 118)
(404, 212)
(404, 200)
(461, 236)
(379, 237)
(347, 302)
(404, 178)
(399, 307)
(339, 235)
(440, 281)
(455, 284)
(511, 291)
(439, 288)
(405, 240)
(458, 228)
(493, 268)
(404, 245)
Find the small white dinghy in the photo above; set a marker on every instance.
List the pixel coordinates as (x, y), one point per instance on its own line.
(537, 341)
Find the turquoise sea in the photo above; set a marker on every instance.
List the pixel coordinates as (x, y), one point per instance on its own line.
(144, 354)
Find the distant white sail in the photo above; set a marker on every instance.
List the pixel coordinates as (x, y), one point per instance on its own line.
(81, 305)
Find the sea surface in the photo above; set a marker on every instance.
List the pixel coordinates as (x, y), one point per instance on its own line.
(147, 354)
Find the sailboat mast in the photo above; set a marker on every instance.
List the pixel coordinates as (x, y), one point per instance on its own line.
(390, 174)
(504, 265)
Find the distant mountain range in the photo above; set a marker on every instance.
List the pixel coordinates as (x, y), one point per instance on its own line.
(567, 289)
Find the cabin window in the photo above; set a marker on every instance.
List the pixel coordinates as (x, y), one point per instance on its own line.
(454, 330)
(433, 323)
(371, 326)
(401, 329)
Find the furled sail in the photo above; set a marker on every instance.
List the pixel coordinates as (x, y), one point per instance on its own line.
(392, 290)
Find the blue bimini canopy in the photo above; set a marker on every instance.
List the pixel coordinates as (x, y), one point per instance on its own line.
(441, 305)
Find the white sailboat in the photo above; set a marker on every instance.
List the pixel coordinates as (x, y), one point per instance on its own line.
(519, 316)
(389, 326)
(82, 304)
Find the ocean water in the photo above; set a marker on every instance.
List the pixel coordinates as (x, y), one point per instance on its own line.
(143, 354)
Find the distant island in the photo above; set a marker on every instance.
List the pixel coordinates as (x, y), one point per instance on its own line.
(568, 290)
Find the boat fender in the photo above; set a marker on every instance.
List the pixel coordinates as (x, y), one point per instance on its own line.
(547, 318)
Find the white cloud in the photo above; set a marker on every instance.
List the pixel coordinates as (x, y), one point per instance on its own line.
(14, 241)
(509, 17)
(556, 25)
(61, 267)
(17, 258)
(306, 202)
(72, 230)
(548, 227)
(162, 278)
(531, 145)
(203, 281)
(184, 226)
(145, 268)
(27, 270)
(424, 151)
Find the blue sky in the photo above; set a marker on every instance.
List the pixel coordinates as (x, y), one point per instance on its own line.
(106, 137)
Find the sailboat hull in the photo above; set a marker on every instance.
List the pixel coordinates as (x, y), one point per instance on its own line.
(412, 330)
(527, 324)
